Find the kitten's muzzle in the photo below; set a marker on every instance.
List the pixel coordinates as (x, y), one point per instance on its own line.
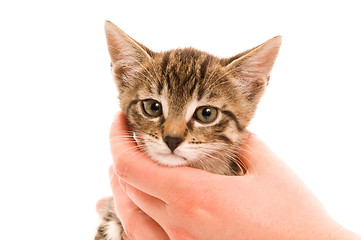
(173, 142)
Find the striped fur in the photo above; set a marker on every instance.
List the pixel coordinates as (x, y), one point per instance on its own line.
(182, 81)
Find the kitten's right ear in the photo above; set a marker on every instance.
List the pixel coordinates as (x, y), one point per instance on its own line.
(124, 51)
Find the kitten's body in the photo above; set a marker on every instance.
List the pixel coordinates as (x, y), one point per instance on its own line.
(186, 107)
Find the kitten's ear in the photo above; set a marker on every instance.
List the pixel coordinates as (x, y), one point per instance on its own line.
(251, 70)
(124, 51)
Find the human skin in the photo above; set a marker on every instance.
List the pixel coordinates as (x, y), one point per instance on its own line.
(268, 202)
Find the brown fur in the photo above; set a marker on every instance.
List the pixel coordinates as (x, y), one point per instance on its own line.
(183, 80)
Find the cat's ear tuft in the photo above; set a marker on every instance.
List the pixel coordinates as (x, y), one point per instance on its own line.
(252, 69)
(124, 51)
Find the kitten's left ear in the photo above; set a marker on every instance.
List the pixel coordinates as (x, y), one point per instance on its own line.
(251, 70)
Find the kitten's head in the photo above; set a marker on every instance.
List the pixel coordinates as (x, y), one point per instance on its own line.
(187, 107)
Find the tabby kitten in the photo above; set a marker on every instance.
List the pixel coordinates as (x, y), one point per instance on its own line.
(185, 106)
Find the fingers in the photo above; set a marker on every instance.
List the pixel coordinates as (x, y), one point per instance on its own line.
(150, 205)
(101, 203)
(129, 162)
(139, 171)
(136, 223)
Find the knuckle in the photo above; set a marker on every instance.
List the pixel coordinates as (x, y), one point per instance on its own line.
(121, 166)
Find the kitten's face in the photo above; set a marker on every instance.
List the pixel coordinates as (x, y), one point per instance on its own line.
(187, 107)
(184, 113)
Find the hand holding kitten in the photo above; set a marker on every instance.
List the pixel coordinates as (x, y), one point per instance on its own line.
(268, 202)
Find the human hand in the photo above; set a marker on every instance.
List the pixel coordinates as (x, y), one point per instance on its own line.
(269, 202)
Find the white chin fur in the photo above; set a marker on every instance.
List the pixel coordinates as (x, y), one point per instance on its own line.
(160, 153)
(171, 160)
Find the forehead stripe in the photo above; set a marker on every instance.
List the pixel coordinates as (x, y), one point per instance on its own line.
(165, 62)
(204, 66)
(201, 92)
(160, 87)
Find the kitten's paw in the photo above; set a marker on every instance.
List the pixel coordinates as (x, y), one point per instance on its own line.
(110, 227)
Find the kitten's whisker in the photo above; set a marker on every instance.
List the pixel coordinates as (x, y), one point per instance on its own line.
(246, 159)
(124, 136)
(215, 151)
(211, 158)
(117, 138)
(127, 150)
(248, 151)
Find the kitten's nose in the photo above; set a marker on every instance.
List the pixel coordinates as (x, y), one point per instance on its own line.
(172, 142)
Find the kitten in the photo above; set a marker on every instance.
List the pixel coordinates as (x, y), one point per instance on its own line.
(185, 106)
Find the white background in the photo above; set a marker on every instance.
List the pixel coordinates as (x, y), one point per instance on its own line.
(57, 98)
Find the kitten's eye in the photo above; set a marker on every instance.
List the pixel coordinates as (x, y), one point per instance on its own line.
(152, 108)
(206, 114)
